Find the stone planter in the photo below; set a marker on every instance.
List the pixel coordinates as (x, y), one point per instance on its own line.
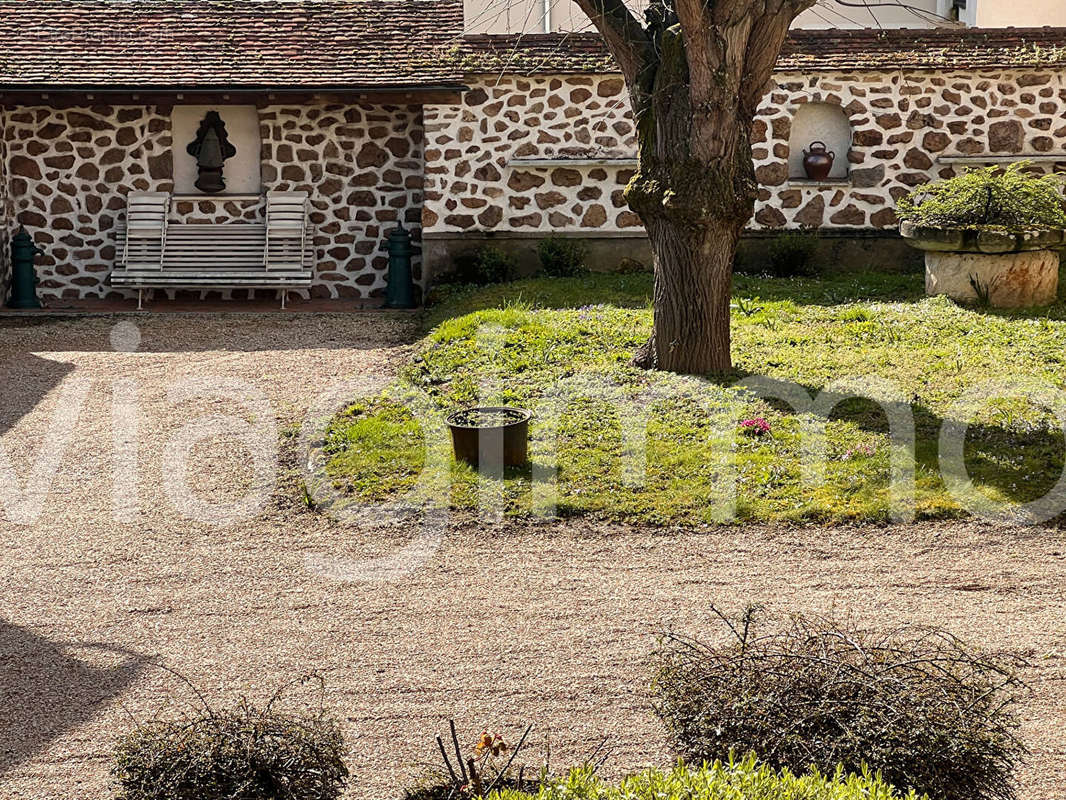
(1014, 270)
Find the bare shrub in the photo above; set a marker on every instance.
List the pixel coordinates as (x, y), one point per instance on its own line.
(914, 703)
(242, 753)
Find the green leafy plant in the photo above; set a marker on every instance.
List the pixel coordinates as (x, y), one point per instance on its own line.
(243, 753)
(747, 307)
(485, 265)
(792, 254)
(562, 258)
(913, 703)
(982, 290)
(731, 779)
(1010, 198)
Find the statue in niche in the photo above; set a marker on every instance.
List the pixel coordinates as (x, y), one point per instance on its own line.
(211, 148)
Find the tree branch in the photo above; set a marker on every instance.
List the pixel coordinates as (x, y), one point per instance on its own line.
(767, 36)
(625, 36)
(699, 48)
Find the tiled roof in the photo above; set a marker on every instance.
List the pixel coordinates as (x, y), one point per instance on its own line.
(935, 48)
(804, 51)
(227, 43)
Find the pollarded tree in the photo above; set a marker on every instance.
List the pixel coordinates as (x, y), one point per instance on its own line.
(696, 71)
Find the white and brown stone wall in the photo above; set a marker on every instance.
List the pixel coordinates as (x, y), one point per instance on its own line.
(902, 124)
(71, 169)
(363, 169)
(475, 178)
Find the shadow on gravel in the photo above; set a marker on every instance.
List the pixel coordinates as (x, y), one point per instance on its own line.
(26, 380)
(47, 688)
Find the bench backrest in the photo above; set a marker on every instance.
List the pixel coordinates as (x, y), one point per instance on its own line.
(146, 229)
(147, 210)
(286, 226)
(286, 211)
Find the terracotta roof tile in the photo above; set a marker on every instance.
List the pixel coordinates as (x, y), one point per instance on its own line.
(804, 51)
(245, 43)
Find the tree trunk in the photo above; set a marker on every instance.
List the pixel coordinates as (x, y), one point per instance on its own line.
(693, 282)
(694, 210)
(696, 72)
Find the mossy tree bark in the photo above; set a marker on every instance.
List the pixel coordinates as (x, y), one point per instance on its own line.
(696, 71)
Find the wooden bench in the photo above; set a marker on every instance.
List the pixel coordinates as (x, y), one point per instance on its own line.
(276, 254)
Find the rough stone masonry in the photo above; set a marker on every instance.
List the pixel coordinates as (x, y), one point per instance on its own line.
(904, 124)
(70, 169)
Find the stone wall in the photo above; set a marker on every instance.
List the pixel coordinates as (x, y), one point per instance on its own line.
(902, 124)
(363, 169)
(70, 170)
(475, 178)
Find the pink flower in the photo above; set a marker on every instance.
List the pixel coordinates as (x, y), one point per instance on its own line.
(755, 427)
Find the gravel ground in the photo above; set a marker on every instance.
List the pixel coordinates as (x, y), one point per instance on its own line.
(498, 624)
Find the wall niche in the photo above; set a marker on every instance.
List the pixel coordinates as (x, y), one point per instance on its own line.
(819, 122)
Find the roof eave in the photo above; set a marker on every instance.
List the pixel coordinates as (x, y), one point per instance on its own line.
(265, 88)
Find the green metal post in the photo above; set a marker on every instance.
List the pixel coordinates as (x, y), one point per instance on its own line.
(23, 277)
(401, 291)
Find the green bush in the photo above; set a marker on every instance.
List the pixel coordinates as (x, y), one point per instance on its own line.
(485, 265)
(730, 780)
(913, 703)
(792, 255)
(1011, 198)
(562, 258)
(240, 754)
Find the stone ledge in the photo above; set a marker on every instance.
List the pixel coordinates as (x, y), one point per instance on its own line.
(638, 233)
(572, 162)
(972, 240)
(828, 183)
(1036, 158)
(218, 198)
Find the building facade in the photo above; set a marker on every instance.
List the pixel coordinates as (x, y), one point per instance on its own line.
(549, 150)
(386, 113)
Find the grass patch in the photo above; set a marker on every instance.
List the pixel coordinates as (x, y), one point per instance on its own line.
(562, 347)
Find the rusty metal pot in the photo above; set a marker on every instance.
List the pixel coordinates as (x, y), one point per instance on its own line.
(818, 161)
(502, 444)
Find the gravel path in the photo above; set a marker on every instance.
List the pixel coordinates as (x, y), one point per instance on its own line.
(500, 625)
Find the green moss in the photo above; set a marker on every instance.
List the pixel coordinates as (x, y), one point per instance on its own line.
(1007, 199)
(522, 341)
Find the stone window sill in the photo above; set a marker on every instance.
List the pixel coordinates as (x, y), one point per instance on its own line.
(828, 183)
(572, 162)
(997, 159)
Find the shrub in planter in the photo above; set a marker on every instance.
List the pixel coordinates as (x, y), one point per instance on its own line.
(745, 779)
(1009, 199)
(562, 258)
(989, 235)
(914, 703)
(485, 265)
(241, 754)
